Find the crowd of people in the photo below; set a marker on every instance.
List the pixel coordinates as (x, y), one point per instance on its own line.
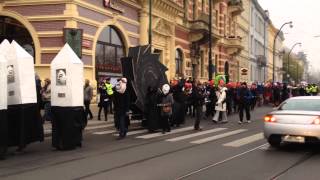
(168, 106)
(216, 100)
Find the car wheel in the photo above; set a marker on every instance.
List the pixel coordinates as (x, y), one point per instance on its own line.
(274, 141)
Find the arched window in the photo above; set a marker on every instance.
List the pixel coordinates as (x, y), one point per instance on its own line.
(179, 62)
(110, 48)
(12, 29)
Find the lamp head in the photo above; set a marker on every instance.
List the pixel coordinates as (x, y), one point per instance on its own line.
(291, 25)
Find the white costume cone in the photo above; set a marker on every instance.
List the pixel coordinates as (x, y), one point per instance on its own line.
(67, 99)
(24, 120)
(3, 101)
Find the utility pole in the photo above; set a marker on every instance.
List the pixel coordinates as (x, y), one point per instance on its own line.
(210, 40)
(150, 22)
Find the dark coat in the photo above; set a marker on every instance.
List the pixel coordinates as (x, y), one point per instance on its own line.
(152, 112)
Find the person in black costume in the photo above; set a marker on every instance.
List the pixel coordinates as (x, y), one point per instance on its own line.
(211, 99)
(198, 96)
(121, 107)
(152, 113)
(179, 105)
(166, 102)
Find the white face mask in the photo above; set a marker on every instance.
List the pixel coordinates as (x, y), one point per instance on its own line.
(165, 89)
(121, 87)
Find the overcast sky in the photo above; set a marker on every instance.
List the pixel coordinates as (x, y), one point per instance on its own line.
(305, 16)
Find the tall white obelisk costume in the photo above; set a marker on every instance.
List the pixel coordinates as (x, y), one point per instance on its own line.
(3, 101)
(24, 119)
(67, 100)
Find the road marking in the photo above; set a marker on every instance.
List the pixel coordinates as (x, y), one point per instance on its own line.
(195, 134)
(212, 138)
(98, 127)
(218, 163)
(105, 132)
(153, 135)
(130, 133)
(244, 141)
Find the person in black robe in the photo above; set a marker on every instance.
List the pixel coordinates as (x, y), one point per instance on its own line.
(179, 105)
(121, 107)
(152, 112)
(211, 99)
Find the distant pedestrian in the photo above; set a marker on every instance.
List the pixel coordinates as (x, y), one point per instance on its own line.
(245, 97)
(46, 99)
(221, 105)
(198, 96)
(88, 94)
(103, 101)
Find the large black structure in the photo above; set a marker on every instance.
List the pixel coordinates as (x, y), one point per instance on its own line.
(143, 70)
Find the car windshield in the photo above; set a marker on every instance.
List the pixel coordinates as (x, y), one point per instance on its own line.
(301, 105)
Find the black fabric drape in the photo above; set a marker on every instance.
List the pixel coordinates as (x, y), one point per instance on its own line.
(24, 125)
(3, 132)
(67, 126)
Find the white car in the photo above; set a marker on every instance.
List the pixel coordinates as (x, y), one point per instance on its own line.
(295, 120)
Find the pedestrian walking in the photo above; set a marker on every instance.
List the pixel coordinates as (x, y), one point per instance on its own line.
(88, 94)
(221, 105)
(244, 96)
(46, 99)
(165, 105)
(121, 107)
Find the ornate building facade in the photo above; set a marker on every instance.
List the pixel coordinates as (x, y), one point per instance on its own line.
(102, 31)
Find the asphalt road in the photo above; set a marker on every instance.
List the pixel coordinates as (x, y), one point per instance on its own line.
(222, 151)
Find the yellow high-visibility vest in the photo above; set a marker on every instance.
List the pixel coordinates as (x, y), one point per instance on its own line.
(109, 89)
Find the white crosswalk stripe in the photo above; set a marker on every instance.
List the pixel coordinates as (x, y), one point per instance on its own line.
(130, 133)
(153, 135)
(246, 140)
(104, 132)
(195, 135)
(99, 127)
(212, 138)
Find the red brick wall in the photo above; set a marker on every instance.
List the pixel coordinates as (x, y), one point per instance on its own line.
(48, 25)
(34, 10)
(46, 58)
(88, 29)
(90, 14)
(51, 41)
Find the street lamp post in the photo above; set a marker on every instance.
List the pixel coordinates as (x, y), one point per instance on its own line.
(274, 47)
(289, 58)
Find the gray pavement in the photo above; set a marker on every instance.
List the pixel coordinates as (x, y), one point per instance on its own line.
(222, 151)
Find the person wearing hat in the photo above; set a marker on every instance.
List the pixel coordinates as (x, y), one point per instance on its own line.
(244, 97)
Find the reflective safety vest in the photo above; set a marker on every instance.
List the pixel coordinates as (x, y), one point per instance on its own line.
(109, 89)
(314, 89)
(308, 89)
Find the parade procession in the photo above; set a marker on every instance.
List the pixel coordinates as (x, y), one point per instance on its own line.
(143, 93)
(159, 89)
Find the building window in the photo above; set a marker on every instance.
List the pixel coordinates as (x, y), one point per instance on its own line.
(109, 50)
(179, 62)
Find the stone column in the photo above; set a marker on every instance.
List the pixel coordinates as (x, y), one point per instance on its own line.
(144, 26)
